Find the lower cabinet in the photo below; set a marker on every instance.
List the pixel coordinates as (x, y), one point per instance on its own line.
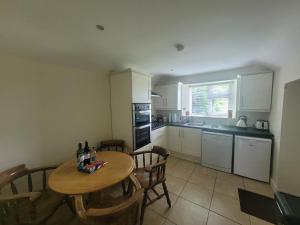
(185, 140)
(159, 137)
(173, 139)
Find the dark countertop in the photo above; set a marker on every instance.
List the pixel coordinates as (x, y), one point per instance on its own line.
(250, 131)
(157, 125)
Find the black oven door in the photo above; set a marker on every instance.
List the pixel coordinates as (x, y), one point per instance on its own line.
(141, 118)
(142, 136)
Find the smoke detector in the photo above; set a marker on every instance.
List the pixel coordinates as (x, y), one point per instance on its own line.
(179, 47)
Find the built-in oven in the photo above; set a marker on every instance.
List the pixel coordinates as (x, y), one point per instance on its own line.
(141, 119)
(141, 136)
(141, 114)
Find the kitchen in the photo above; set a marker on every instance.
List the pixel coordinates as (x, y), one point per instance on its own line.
(219, 143)
(187, 109)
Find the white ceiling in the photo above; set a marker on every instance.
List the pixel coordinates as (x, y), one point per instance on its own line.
(217, 34)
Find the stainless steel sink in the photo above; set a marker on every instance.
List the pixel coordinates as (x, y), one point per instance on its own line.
(194, 124)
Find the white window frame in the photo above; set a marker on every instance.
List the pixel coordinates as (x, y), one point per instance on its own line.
(233, 98)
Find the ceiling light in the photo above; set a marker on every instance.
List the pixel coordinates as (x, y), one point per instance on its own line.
(179, 47)
(99, 27)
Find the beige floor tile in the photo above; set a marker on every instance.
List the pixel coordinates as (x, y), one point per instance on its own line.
(202, 179)
(259, 187)
(172, 160)
(174, 184)
(230, 178)
(161, 205)
(153, 218)
(198, 194)
(180, 172)
(229, 207)
(201, 170)
(228, 188)
(169, 223)
(257, 221)
(64, 216)
(188, 213)
(215, 219)
(186, 164)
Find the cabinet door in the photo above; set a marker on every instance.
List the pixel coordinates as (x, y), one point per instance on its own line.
(191, 141)
(174, 140)
(159, 137)
(255, 92)
(140, 88)
(159, 102)
(171, 97)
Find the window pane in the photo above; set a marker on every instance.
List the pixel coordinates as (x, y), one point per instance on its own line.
(211, 99)
(220, 106)
(200, 101)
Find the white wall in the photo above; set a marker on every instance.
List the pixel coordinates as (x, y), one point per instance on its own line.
(47, 109)
(289, 71)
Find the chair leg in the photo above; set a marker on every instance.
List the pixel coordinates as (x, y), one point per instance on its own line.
(166, 193)
(143, 206)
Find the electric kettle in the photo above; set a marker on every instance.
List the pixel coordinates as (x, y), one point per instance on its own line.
(242, 122)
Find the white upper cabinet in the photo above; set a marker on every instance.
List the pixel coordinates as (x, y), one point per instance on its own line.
(141, 88)
(170, 97)
(255, 92)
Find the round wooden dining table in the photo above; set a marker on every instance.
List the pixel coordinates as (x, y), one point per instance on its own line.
(66, 179)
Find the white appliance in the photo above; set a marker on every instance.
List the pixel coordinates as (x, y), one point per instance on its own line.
(262, 125)
(242, 122)
(217, 151)
(252, 157)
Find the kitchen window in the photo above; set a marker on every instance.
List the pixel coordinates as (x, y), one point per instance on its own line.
(215, 99)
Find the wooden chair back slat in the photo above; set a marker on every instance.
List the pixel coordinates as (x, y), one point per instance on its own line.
(112, 145)
(13, 187)
(144, 160)
(30, 186)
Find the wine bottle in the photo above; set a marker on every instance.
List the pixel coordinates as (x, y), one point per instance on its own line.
(93, 154)
(80, 156)
(86, 150)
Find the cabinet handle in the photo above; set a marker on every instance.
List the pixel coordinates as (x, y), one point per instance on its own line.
(182, 133)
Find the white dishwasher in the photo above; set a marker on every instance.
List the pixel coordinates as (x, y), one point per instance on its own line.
(252, 157)
(217, 151)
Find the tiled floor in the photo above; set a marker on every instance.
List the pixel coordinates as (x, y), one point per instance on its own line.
(201, 196)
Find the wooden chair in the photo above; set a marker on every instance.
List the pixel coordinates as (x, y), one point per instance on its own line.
(112, 145)
(151, 174)
(31, 207)
(121, 210)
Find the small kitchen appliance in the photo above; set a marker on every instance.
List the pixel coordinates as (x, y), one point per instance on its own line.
(242, 122)
(262, 125)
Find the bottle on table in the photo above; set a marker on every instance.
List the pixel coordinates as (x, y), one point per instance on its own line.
(93, 155)
(80, 156)
(87, 157)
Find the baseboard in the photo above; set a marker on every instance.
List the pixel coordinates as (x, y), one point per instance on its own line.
(273, 185)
